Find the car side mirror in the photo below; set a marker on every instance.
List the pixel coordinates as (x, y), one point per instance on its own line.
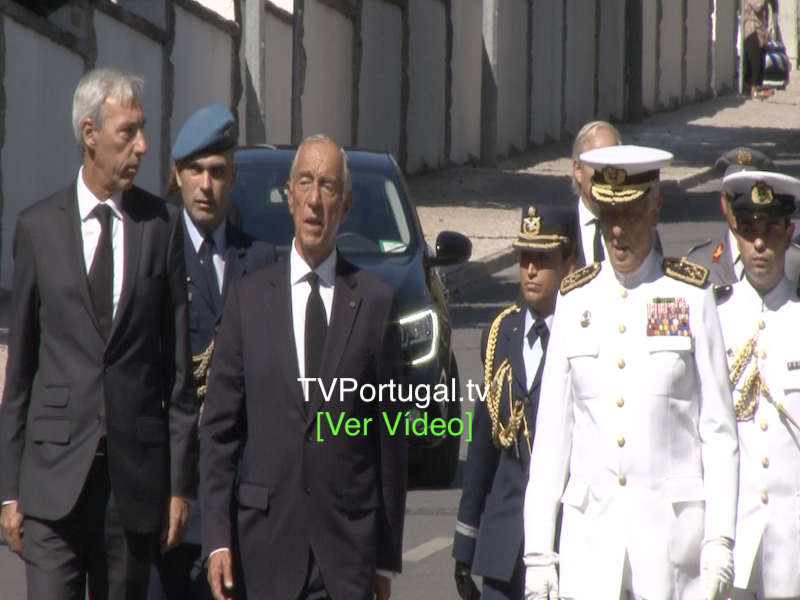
(452, 248)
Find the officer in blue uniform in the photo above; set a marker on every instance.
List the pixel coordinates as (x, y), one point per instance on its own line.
(488, 538)
(217, 252)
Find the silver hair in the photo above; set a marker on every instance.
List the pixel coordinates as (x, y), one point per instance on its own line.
(586, 133)
(321, 137)
(97, 86)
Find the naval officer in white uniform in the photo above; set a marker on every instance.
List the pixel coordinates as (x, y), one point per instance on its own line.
(636, 434)
(760, 318)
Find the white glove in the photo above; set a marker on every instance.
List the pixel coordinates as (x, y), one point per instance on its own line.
(716, 567)
(541, 579)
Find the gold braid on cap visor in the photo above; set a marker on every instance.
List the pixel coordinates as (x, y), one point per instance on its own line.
(541, 242)
(607, 192)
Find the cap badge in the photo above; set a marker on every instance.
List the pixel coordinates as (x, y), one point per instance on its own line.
(531, 224)
(227, 132)
(761, 193)
(586, 318)
(717, 253)
(743, 157)
(614, 176)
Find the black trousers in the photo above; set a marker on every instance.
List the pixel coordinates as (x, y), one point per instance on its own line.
(753, 61)
(91, 544)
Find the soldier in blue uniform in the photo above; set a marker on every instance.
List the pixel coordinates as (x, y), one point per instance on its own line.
(488, 538)
(217, 252)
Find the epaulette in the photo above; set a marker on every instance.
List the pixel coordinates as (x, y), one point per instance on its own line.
(580, 277)
(683, 270)
(722, 293)
(697, 247)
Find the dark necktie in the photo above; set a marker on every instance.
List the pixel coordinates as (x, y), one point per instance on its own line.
(599, 253)
(316, 327)
(101, 275)
(207, 259)
(541, 331)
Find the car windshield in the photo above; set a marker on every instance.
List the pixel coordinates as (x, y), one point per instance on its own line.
(376, 225)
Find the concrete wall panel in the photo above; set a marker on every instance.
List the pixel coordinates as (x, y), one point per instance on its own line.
(40, 154)
(579, 85)
(546, 92)
(650, 50)
(512, 76)
(123, 48)
(426, 72)
(611, 64)
(381, 71)
(788, 22)
(725, 34)
(670, 54)
(698, 40)
(278, 75)
(328, 42)
(465, 113)
(202, 72)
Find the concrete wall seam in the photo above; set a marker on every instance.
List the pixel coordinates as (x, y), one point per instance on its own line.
(167, 95)
(358, 48)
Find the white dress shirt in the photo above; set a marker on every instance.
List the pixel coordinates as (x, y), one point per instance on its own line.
(91, 229)
(588, 226)
(301, 288)
(533, 354)
(198, 236)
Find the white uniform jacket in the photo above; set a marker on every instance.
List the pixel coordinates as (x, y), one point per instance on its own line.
(769, 479)
(644, 428)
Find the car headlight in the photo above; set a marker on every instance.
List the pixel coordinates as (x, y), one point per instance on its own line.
(420, 336)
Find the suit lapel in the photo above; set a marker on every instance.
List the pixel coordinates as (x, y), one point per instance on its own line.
(346, 303)
(133, 251)
(70, 226)
(278, 299)
(236, 263)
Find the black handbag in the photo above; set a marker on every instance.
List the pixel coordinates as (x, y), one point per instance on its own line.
(776, 64)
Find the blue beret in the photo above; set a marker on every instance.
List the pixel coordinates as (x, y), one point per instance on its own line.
(210, 129)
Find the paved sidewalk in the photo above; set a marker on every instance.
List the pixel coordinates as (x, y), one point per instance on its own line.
(485, 204)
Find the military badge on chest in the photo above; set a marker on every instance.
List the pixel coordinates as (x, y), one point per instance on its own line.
(668, 316)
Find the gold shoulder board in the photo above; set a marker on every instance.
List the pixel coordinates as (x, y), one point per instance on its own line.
(580, 277)
(685, 271)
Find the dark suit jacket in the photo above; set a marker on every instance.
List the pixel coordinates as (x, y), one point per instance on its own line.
(243, 254)
(495, 479)
(344, 497)
(63, 379)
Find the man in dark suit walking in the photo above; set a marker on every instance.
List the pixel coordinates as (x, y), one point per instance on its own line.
(488, 538)
(98, 443)
(217, 252)
(292, 509)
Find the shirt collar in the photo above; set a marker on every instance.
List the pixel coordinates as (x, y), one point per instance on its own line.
(87, 201)
(733, 245)
(643, 273)
(298, 268)
(530, 319)
(197, 235)
(585, 216)
(773, 299)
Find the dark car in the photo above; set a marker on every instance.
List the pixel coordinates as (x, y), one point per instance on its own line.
(382, 233)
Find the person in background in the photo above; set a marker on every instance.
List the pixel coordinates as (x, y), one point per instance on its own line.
(757, 315)
(217, 252)
(488, 538)
(757, 15)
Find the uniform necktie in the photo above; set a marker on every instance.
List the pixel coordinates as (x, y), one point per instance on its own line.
(101, 274)
(316, 327)
(539, 330)
(207, 258)
(599, 253)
